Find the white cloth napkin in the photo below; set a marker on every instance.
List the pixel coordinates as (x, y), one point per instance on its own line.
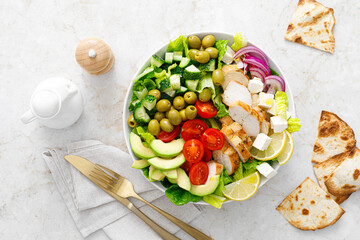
(92, 209)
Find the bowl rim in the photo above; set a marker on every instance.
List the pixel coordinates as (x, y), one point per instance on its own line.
(146, 63)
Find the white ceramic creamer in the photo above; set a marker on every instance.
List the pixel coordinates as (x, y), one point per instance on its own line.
(56, 103)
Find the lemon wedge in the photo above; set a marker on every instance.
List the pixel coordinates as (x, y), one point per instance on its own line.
(277, 145)
(285, 155)
(244, 188)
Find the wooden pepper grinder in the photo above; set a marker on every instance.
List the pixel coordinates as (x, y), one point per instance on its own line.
(95, 56)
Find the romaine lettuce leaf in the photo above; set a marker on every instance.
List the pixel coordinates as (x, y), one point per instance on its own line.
(222, 110)
(221, 46)
(179, 196)
(179, 44)
(240, 41)
(214, 200)
(293, 125)
(144, 134)
(239, 173)
(224, 180)
(281, 103)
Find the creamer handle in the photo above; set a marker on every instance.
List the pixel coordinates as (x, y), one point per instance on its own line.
(28, 117)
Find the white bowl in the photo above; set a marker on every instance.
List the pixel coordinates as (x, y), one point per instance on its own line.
(161, 52)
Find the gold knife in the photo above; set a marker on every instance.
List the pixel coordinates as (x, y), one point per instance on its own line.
(85, 167)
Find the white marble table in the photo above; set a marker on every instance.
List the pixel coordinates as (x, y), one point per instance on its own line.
(38, 39)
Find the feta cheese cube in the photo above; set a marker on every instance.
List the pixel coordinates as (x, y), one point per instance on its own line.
(272, 110)
(262, 142)
(266, 100)
(278, 124)
(228, 58)
(266, 170)
(255, 85)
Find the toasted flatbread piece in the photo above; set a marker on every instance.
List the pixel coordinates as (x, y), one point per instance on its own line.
(334, 137)
(323, 171)
(309, 207)
(346, 177)
(312, 25)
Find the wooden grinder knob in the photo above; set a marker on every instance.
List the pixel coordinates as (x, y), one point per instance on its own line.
(95, 56)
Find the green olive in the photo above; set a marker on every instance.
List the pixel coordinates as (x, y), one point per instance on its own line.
(183, 115)
(167, 113)
(218, 77)
(208, 41)
(190, 97)
(166, 125)
(159, 115)
(202, 57)
(174, 117)
(156, 93)
(194, 42)
(154, 127)
(205, 95)
(192, 53)
(179, 102)
(213, 52)
(131, 121)
(163, 105)
(190, 112)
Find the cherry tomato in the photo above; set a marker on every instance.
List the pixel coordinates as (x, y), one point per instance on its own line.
(205, 109)
(199, 173)
(207, 155)
(193, 129)
(212, 139)
(193, 150)
(168, 137)
(186, 166)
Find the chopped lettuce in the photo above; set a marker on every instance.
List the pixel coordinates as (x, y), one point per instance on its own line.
(222, 110)
(179, 196)
(144, 134)
(293, 125)
(214, 200)
(148, 73)
(240, 41)
(221, 46)
(179, 44)
(273, 72)
(281, 103)
(146, 172)
(239, 173)
(142, 87)
(224, 180)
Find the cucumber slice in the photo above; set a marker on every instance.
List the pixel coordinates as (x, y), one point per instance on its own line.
(182, 90)
(208, 67)
(169, 57)
(192, 84)
(139, 164)
(192, 73)
(175, 81)
(177, 56)
(138, 148)
(156, 61)
(141, 116)
(184, 62)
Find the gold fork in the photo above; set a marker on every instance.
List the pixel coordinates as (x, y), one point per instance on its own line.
(125, 189)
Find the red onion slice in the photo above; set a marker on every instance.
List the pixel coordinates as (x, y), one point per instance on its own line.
(257, 63)
(254, 51)
(257, 72)
(274, 83)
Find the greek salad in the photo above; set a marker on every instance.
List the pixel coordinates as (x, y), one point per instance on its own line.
(209, 118)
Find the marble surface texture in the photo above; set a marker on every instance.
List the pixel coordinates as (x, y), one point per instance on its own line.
(38, 40)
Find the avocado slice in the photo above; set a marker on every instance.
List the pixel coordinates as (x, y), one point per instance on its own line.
(167, 164)
(170, 173)
(173, 181)
(183, 180)
(155, 174)
(139, 164)
(167, 150)
(205, 189)
(138, 147)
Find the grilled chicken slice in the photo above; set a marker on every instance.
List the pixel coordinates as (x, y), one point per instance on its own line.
(255, 99)
(237, 75)
(214, 169)
(247, 117)
(227, 157)
(265, 126)
(229, 68)
(241, 133)
(236, 142)
(236, 91)
(227, 120)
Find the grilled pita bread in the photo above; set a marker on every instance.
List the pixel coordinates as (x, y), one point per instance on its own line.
(334, 137)
(309, 207)
(346, 177)
(312, 25)
(323, 171)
